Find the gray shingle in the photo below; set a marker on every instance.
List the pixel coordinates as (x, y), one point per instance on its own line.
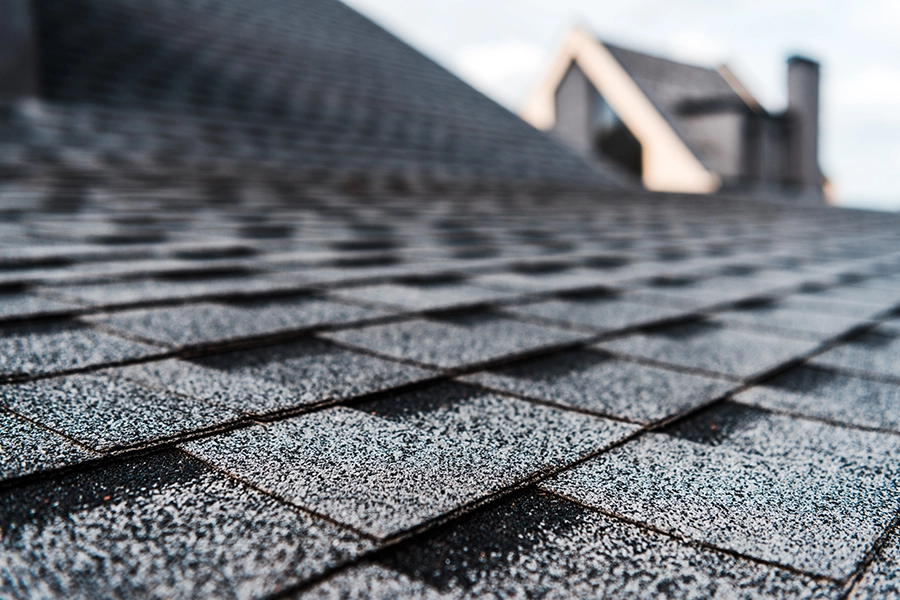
(276, 378)
(196, 324)
(36, 349)
(882, 578)
(795, 492)
(814, 326)
(602, 313)
(26, 449)
(108, 413)
(594, 382)
(547, 282)
(23, 304)
(712, 346)
(541, 546)
(161, 527)
(824, 395)
(877, 353)
(455, 342)
(422, 297)
(398, 463)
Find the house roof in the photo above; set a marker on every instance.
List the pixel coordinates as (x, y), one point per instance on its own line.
(261, 386)
(308, 78)
(681, 91)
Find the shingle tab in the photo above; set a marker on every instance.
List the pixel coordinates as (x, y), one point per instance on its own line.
(814, 326)
(277, 378)
(160, 527)
(600, 313)
(541, 546)
(876, 353)
(423, 296)
(26, 448)
(47, 348)
(398, 463)
(798, 493)
(594, 382)
(712, 346)
(826, 395)
(205, 323)
(455, 342)
(24, 304)
(882, 578)
(105, 412)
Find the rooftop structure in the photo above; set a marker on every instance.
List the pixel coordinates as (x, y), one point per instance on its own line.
(245, 371)
(679, 127)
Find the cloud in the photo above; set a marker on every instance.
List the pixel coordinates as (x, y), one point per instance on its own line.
(874, 90)
(698, 47)
(504, 70)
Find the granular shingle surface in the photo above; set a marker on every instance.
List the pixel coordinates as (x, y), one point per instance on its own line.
(594, 382)
(26, 448)
(46, 348)
(797, 493)
(164, 527)
(287, 310)
(105, 412)
(399, 463)
(456, 341)
(832, 396)
(714, 347)
(276, 378)
(524, 548)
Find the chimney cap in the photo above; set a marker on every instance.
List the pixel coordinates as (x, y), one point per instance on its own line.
(798, 58)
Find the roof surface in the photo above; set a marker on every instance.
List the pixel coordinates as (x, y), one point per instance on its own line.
(681, 91)
(224, 377)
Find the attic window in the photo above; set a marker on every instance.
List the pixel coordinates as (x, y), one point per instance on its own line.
(612, 139)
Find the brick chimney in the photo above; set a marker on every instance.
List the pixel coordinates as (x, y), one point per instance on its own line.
(18, 61)
(803, 115)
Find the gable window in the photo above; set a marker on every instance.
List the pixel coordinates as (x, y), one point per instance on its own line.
(611, 138)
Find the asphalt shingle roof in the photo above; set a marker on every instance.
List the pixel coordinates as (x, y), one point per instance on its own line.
(243, 381)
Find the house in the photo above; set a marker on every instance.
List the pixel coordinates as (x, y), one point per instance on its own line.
(679, 127)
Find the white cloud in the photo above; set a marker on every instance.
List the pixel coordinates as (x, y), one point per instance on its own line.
(873, 91)
(698, 47)
(504, 70)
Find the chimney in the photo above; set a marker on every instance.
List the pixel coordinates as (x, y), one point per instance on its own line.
(18, 64)
(803, 115)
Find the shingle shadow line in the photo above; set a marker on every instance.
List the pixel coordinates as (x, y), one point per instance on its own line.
(863, 566)
(855, 373)
(806, 417)
(667, 365)
(691, 542)
(682, 319)
(540, 401)
(108, 458)
(282, 501)
(43, 317)
(14, 378)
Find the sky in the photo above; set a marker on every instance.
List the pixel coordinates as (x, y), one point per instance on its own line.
(503, 48)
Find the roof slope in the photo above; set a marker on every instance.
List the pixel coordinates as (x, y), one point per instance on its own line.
(680, 91)
(338, 84)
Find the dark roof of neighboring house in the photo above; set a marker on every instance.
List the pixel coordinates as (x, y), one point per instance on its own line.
(219, 378)
(680, 92)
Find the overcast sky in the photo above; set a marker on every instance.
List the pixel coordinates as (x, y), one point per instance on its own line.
(503, 47)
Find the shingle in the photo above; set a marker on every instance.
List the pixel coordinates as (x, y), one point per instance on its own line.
(454, 342)
(26, 448)
(159, 527)
(876, 353)
(195, 324)
(814, 326)
(882, 578)
(600, 313)
(423, 297)
(795, 492)
(47, 348)
(542, 546)
(400, 462)
(276, 378)
(594, 382)
(23, 304)
(105, 412)
(712, 346)
(812, 303)
(825, 395)
(550, 281)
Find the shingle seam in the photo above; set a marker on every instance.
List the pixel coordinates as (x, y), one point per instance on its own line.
(854, 580)
(690, 542)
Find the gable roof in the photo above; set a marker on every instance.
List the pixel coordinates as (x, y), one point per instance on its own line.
(680, 91)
